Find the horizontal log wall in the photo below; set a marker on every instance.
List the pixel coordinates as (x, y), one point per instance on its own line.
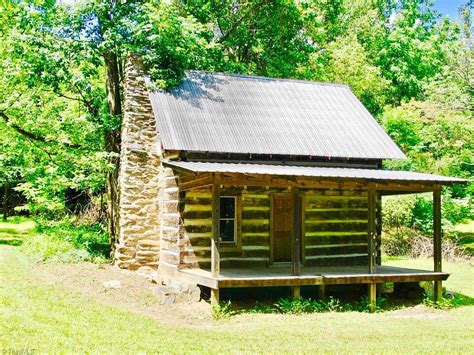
(254, 249)
(335, 227)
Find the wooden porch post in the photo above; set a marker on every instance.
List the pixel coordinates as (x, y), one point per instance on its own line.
(296, 240)
(437, 233)
(371, 231)
(372, 245)
(215, 257)
(295, 292)
(372, 289)
(214, 296)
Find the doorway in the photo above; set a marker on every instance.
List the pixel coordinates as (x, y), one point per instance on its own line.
(282, 221)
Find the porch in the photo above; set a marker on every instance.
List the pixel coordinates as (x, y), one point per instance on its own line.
(281, 275)
(297, 272)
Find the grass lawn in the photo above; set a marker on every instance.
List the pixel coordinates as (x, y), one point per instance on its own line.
(51, 318)
(15, 230)
(461, 279)
(466, 236)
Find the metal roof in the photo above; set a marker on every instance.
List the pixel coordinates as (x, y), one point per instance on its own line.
(312, 171)
(227, 113)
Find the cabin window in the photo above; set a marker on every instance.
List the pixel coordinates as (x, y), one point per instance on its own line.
(228, 219)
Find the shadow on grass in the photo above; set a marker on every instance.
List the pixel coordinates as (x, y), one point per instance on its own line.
(11, 241)
(13, 236)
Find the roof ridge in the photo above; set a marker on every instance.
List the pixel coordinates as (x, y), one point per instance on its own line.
(259, 77)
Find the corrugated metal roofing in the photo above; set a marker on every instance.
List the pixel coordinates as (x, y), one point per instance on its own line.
(311, 171)
(246, 114)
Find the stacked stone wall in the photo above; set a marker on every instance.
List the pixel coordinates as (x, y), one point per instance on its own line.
(139, 239)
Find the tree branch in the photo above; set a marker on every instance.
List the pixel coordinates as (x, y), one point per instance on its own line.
(33, 136)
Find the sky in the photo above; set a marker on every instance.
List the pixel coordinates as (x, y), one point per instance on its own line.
(448, 7)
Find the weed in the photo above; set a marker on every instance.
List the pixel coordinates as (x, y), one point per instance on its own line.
(307, 305)
(222, 310)
(449, 301)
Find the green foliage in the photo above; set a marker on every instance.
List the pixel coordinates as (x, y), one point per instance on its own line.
(408, 225)
(222, 310)
(449, 301)
(408, 66)
(65, 242)
(416, 211)
(308, 305)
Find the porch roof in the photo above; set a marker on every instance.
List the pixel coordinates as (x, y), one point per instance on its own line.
(370, 175)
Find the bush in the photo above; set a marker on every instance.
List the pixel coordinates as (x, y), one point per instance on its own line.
(416, 211)
(307, 305)
(398, 242)
(222, 310)
(397, 211)
(410, 242)
(62, 241)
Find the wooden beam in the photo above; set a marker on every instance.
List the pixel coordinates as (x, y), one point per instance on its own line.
(196, 183)
(372, 231)
(246, 279)
(372, 290)
(296, 240)
(318, 183)
(380, 278)
(270, 281)
(437, 243)
(215, 257)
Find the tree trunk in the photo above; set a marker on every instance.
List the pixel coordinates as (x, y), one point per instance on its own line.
(6, 192)
(112, 142)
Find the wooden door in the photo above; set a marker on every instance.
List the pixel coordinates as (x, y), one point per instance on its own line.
(282, 227)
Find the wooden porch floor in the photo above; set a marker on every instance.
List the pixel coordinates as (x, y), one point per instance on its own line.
(281, 275)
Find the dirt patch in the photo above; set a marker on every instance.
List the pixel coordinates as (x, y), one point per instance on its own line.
(136, 293)
(418, 312)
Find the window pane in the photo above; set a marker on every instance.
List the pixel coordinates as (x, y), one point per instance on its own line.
(227, 230)
(227, 207)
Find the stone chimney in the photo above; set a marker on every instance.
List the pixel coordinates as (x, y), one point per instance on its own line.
(138, 246)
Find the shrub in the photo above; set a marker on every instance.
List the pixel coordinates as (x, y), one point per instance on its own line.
(449, 301)
(307, 305)
(397, 211)
(222, 310)
(416, 211)
(62, 241)
(410, 242)
(408, 225)
(398, 242)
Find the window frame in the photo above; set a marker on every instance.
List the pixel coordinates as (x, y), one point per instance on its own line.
(236, 243)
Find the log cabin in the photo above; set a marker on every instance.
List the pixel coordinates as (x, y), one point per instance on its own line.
(244, 181)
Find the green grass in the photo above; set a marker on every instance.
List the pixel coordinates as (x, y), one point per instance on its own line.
(462, 273)
(466, 236)
(37, 315)
(50, 319)
(16, 230)
(57, 241)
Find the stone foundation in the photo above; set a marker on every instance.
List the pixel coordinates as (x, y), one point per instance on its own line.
(140, 170)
